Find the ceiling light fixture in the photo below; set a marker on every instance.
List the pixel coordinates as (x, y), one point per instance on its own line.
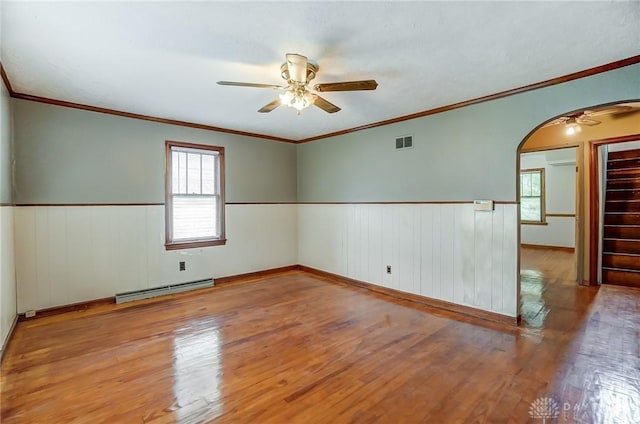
(297, 97)
(572, 127)
(298, 71)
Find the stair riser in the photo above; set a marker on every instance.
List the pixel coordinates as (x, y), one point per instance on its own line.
(621, 246)
(621, 278)
(621, 164)
(622, 219)
(622, 206)
(625, 154)
(620, 232)
(621, 261)
(623, 195)
(623, 173)
(632, 184)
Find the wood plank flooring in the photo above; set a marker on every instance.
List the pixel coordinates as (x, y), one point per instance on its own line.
(295, 348)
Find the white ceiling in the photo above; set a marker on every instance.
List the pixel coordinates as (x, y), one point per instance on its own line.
(163, 58)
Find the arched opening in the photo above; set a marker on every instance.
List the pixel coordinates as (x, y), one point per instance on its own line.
(556, 140)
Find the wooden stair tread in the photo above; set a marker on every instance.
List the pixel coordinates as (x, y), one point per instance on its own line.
(621, 270)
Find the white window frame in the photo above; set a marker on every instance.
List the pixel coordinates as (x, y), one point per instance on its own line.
(187, 243)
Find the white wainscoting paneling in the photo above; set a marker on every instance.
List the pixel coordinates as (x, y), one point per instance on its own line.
(7, 273)
(69, 254)
(443, 251)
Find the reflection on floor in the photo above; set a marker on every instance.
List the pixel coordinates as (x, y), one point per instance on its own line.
(297, 348)
(594, 333)
(548, 282)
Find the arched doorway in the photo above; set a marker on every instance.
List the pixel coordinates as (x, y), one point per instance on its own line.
(613, 121)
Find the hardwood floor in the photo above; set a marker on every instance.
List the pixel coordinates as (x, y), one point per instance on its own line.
(295, 348)
(548, 283)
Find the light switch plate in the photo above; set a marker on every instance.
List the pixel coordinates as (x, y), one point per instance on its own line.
(483, 205)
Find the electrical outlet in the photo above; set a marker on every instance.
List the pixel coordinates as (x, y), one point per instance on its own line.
(183, 266)
(30, 314)
(388, 269)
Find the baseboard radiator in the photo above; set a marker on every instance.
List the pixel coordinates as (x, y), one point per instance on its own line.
(161, 291)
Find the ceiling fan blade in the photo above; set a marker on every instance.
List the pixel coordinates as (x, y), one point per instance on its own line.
(610, 110)
(248, 84)
(586, 120)
(556, 121)
(326, 105)
(632, 105)
(297, 65)
(347, 86)
(269, 107)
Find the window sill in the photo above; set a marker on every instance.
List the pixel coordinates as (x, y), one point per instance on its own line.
(194, 244)
(533, 223)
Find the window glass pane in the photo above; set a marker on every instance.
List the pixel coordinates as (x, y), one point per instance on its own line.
(208, 174)
(182, 173)
(193, 173)
(175, 176)
(195, 217)
(535, 183)
(525, 189)
(530, 209)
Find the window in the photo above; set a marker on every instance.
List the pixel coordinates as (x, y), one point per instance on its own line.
(194, 203)
(532, 196)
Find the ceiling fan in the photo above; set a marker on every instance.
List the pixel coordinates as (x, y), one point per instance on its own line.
(574, 121)
(298, 72)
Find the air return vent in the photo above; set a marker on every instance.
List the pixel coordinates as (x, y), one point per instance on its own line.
(160, 291)
(404, 142)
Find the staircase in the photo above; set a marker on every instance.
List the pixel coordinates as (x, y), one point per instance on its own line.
(621, 244)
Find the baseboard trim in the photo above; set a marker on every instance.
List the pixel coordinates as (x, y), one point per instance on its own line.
(249, 277)
(73, 307)
(423, 300)
(90, 304)
(224, 281)
(5, 345)
(542, 246)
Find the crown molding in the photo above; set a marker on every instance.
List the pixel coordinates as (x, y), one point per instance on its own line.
(550, 82)
(90, 108)
(554, 81)
(7, 83)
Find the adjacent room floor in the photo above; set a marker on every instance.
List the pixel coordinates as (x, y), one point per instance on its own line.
(297, 348)
(548, 285)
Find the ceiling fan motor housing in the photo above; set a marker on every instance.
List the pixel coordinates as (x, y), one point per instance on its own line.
(312, 69)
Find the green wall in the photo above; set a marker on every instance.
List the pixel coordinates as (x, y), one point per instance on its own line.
(6, 177)
(66, 155)
(467, 153)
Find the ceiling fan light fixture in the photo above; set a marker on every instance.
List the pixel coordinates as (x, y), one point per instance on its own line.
(298, 99)
(286, 98)
(297, 71)
(572, 127)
